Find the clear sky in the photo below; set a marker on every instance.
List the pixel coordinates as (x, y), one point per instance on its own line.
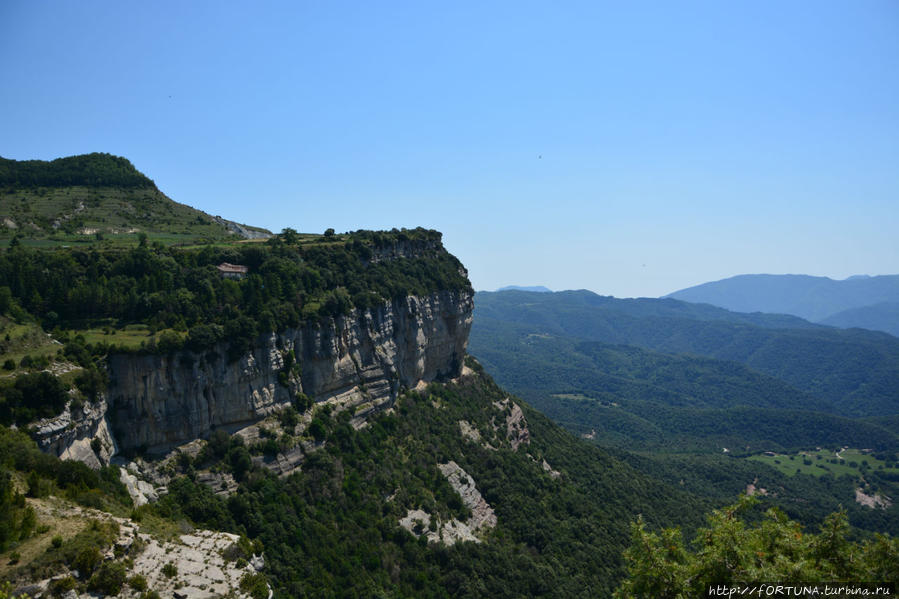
(631, 148)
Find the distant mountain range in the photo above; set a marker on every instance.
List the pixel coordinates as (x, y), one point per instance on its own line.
(536, 288)
(859, 301)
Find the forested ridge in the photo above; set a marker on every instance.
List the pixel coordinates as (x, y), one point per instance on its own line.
(182, 290)
(857, 371)
(96, 169)
(153, 298)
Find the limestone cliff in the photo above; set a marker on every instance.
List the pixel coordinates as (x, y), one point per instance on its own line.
(359, 361)
(70, 435)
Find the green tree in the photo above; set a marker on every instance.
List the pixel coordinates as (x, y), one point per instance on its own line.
(289, 236)
(731, 551)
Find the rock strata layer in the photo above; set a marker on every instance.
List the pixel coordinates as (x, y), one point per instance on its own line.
(79, 433)
(359, 361)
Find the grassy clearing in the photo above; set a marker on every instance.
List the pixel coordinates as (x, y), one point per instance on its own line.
(20, 339)
(573, 396)
(847, 462)
(130, 336)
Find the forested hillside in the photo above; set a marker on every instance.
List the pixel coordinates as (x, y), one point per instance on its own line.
(695, 419)
(877, 317)
(559, 530)
(856, 371)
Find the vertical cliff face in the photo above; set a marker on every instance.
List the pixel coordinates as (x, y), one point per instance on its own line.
(358, 361)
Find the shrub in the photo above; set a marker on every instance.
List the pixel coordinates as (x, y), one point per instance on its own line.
(138, 582)
(254, 585)
(87, 560)
(109, 578)
(61, 586)
(289, 418)
(170, 570)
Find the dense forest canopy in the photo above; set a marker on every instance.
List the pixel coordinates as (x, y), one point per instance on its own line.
(183, 290)
(97, 169)
(856, 371)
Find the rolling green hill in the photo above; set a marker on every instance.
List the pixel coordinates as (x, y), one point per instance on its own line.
(641, 399)
(691, 420)
(856, 371)
(98, 197)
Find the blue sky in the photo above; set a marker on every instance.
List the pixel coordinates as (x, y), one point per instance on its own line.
(631, 148)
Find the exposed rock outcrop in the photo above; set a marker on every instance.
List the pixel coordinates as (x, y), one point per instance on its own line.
(241, 230)
(72, 434)
(201, 563)
(482, 515)
(517, 432)
(873, 501)
(420, 522)
(359, 361)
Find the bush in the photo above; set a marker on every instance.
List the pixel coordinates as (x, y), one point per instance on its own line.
(289, 418)
(91, 382)
(61, 586)
(87, 560)
(255, 585)
(109, 578)
(302, 402)
(170, 570)
(9, 364)
(318, 429)
(138, 582)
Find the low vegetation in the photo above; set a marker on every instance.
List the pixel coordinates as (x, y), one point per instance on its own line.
(731, 550)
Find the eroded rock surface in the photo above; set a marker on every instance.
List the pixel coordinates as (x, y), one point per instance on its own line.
(516, 426)
(70, 436)
(873, 501)
(359, 361)
(482, 515)
(420, 522)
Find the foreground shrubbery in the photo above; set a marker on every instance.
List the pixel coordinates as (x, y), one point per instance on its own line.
(732, 551)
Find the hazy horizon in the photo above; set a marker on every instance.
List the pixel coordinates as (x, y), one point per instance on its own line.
(516, 285)
(633, 150)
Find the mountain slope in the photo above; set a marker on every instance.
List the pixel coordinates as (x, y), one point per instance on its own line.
(644, 400)
(876, 317)
(561, 506)
(812, 298)
(856, 370)
(97, 196)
